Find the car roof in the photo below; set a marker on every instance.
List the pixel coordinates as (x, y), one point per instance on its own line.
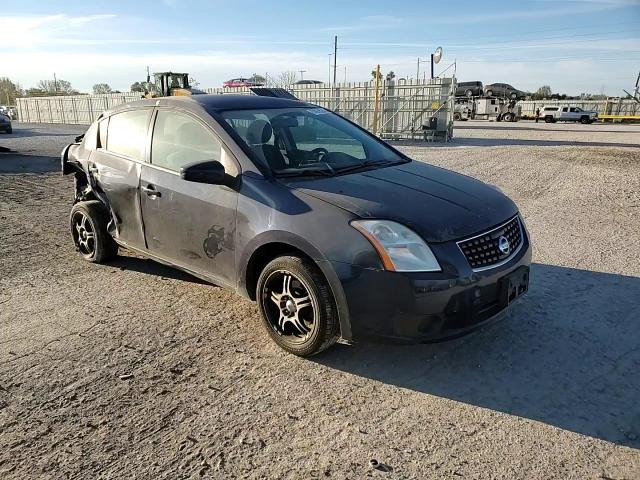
(215, 102)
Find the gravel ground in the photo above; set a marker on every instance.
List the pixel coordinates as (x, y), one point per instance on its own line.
(136, 370)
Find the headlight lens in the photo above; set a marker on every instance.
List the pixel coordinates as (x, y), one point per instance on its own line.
(400, 249)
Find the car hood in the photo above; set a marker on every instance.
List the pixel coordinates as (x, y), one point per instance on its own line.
(439, 204)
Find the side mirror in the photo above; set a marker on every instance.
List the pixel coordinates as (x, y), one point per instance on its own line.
(211, 172)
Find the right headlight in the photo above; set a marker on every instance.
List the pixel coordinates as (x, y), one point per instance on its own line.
(399, 248)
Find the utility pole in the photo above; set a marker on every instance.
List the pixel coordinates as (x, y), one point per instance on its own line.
(55, 84)
(432, 66)
(335, 57)
(418, 71)
(376, 105)
(302, 74)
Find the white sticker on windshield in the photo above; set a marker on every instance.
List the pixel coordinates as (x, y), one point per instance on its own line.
(318, 111)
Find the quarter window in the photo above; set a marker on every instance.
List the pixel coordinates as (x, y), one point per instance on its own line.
(180, 139)
(128, 132)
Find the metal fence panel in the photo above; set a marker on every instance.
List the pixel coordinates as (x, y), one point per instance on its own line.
(73, 109)
(403, 108)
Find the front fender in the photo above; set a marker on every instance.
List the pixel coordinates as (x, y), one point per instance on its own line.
(302, 244)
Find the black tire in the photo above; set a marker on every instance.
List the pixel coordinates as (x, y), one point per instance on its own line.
(507, 117)
(9, 130)
(91, 238)
(584, 120)
(457, 116)
(305, 281)
(469, 93)
(548, 119)
(489, 93)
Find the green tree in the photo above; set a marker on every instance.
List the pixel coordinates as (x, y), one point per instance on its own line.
(373, 74)
(138, 87)
(390, 76)
(9, 91)
(99, 88)
(35, 92)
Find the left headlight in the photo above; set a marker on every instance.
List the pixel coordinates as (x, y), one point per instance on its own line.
(400, 249)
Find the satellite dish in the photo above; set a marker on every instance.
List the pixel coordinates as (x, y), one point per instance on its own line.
(437, 55)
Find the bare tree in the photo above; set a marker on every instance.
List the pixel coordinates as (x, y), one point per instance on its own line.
(283, 80)
(9, 91)
(58, 87)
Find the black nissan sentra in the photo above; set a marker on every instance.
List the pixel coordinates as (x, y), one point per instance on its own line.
(336, 234)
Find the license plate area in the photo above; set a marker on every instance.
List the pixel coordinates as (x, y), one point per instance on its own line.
(513, 285)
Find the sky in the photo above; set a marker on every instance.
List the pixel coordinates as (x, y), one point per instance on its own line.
(574, 46)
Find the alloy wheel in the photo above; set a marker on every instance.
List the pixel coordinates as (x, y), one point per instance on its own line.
(84, 234)
(289, 307)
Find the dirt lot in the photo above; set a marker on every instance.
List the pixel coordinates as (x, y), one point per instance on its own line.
(136, 370)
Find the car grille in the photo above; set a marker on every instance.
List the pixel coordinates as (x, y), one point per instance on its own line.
(483, 251)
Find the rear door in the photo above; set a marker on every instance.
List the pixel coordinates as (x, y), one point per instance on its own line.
(564, 113)
(190, 224)
(115, 166)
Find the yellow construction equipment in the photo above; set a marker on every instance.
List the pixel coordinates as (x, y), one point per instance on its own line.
(170, 84)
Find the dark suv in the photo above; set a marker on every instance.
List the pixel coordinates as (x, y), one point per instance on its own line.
(469, 89)
(333, 232)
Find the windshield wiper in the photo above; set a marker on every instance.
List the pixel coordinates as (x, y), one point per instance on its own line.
(366, 164)
(328, 171)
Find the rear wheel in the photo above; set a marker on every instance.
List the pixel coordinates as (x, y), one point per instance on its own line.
(297, 306)
(489, 93)
(548, 119)
(457, 116)
(88, 221)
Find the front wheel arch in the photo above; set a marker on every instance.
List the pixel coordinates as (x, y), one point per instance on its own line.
(272, 244)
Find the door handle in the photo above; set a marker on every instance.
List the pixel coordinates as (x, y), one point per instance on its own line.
(151, 191)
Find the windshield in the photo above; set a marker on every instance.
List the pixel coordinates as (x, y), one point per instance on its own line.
(308, 140)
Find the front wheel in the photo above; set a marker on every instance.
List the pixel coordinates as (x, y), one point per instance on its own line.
(297, 306)
(584, 120)
(88, 221)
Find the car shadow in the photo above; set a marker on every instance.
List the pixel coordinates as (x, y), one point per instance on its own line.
(567, 355)
(151, 267)
(12, 162)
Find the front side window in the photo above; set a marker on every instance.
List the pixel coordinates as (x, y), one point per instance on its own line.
(564, 109)
(128, 133)
(301, 140)
(180, 139)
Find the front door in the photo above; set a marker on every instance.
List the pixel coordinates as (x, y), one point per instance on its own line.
(115, 168)
(190, 224)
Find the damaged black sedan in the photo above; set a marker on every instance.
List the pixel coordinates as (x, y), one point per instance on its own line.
(336, 234)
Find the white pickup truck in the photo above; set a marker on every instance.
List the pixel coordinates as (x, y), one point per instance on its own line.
(556, 113)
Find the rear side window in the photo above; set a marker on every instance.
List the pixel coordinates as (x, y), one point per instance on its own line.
(181, 139)
(551, 109)
(127, 133)
(102, 132)
(90, 137)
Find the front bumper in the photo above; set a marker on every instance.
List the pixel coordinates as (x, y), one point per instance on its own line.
(422, 307)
